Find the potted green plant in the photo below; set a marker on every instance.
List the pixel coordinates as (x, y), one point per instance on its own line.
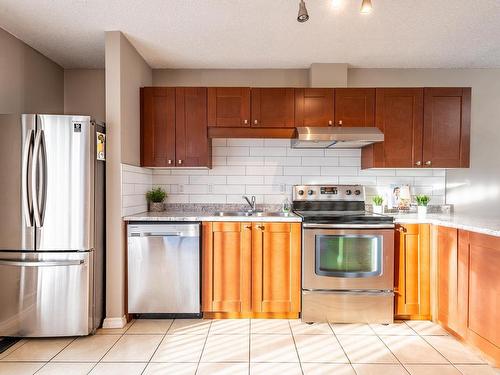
(422, 201)
(377, 204)
(155, 198)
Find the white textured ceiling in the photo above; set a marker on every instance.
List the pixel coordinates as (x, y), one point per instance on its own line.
(262, 33)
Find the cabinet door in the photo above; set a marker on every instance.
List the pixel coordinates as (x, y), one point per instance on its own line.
(229, 106)
(157, 126)
(192, 146)
(412, 271)
(446, 127)
(399, 115)
(226, 264)
(273, 107)
(314, 107)
(276, 267)
(355, 107)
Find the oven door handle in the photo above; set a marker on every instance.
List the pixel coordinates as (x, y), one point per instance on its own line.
(348, 226)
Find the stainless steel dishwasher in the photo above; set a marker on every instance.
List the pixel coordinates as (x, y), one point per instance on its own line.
(164, 268)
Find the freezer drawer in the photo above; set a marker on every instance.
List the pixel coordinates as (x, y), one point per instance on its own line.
(45, 294)
(164, 268)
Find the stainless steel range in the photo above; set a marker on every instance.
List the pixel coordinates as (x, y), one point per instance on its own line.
(347, 256)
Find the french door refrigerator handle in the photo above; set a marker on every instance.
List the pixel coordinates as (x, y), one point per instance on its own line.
(34, 179)
(28, 263)
(27, 203)
(43, 185)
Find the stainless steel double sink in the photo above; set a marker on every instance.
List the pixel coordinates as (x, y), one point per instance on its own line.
(252, 213)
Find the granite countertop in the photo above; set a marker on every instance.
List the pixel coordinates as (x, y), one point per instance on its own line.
(466, 222)
(206, 216)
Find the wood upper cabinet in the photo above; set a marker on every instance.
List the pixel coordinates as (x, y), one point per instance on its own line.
(192, 145)
(157, 126)
(355, 107)
(174, 127)
(412, 271)
(276, 267)
(273, 107)
(251, 267)
(399, 115)
(229, 107)
(446, 127)
(226, 265)
(314, 107)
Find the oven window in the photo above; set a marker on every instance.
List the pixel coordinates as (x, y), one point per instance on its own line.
(348, 255)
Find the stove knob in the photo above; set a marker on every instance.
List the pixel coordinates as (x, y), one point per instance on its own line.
(348, 192)
(301, 192)
(357, 192)
(310, 192)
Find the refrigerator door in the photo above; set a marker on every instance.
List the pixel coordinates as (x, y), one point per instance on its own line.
(63, 183)
(16, 209)
(45, 294)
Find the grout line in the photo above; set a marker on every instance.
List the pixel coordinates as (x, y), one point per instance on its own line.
(204, 345)
(295, 345)
(341, 347)
(45, 364)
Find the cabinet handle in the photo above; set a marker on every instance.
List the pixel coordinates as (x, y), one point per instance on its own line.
(248, 227)
(179, 162)
(256, 122)
(401, 229)
(340, 122)
(169, 161)
(330, 123)
(418, 163)
(428, 163)
(245, 122)
(261, 227)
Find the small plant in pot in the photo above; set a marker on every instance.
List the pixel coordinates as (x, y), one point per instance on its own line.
(155, 199)
(377, 204)
(422, 201)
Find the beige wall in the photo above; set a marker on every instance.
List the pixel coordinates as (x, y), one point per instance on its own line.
(84, 93)
(29, 82)
(126, 72)
(475, 190)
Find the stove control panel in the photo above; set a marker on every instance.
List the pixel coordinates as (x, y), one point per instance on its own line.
(328, 193)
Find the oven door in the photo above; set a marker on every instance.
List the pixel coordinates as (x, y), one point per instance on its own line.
(347, 258)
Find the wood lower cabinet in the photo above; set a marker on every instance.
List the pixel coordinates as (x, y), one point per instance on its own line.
(273, 107)
(174, 127)
(412, 271)
(251, 269)
(229, 107)
(355, 107)
(314, 107)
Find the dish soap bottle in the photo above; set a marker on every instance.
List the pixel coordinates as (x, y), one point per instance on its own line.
(286, 206)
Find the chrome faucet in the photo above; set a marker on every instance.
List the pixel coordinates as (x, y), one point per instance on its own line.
(251, 202)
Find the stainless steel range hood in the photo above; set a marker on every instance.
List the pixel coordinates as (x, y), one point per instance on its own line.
(336, 137)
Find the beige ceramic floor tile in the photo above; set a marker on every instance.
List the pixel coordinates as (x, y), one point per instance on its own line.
(352, 329)
(170, 369)
(366, 349)
(118, 369)
(226, 348)
(432, 370)
(18, 368)
(379, 369)
(223, 369)
(270, 326)
(275, 369)
(87, 349)
(327, 368)
(149, 326)
(133, 348)
(301, 328)
(272, 348)
(38, 350)
(426, 328)
(478, 370)
(413, 349)
(230, 327)
(397, 328)
(53, 368)
(180, 348)
(189, 327)
(453, 350)
(319, 348)
(17, 345)
(114, 331)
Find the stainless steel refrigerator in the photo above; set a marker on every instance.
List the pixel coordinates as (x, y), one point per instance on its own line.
(52, 226)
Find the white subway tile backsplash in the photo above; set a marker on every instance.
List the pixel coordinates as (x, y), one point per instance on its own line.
(228, 189)
(320, 161)
(343, 152)
(414, 172)
(169, 180)
(300, 171)
(264, 189)
(278, 180)
(349, 161)
(277, 143)
(310, 180)
(230, 151)
(245, 180)
(268, 151)
(339, 171)
(245, 160)
(206, 198)
(194, 189)
(282, 160)
(189, 172)
(245, 142)
(218, 160)
(218, 142)
(227, 171)
(348, 180)
(304, 152)
(267, 170)
(207, 180)
(136, 181)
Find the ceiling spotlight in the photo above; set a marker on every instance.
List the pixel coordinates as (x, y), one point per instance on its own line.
(303, 16)
(366, 6)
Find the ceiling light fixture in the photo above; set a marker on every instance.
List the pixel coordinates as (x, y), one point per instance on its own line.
(303, 16)
(366, 6)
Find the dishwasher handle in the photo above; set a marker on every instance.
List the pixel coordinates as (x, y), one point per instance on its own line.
(158, 234)
(163, 230)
